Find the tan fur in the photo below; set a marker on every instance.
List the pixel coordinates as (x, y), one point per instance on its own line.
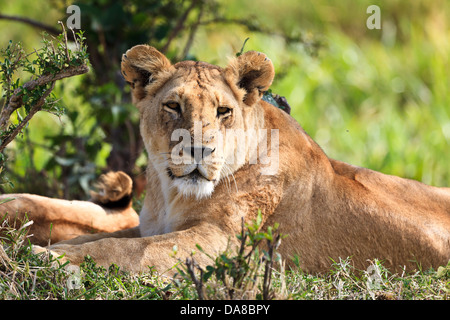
(56, 220)
(327, 208)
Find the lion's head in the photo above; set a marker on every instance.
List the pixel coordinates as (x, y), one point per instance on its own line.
(187, 108)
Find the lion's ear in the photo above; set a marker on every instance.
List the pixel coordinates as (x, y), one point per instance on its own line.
(141, 66)
(252, 71)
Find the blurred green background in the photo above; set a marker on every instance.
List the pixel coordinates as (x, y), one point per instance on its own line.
(373, 98)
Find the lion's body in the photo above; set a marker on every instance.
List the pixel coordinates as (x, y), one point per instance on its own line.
(327, 208)
(56, 220)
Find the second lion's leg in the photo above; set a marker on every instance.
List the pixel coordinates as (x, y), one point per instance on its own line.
(127, 233)
(138, 254)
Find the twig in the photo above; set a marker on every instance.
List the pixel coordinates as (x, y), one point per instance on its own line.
(33, 23)
(193, 31)
(75, 38)
(179, 26)
(268, 268)
(190, 264)
(65, 39)
(38, 106)
(250, 26)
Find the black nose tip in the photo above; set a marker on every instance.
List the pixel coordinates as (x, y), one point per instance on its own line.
(198, 153)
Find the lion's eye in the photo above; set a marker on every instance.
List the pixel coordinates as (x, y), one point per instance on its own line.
(173, 107)
(223, 111)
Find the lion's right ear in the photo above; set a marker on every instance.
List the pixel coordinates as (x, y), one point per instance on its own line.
(142, 65)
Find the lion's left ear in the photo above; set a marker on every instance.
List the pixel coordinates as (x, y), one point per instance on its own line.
(253, 72)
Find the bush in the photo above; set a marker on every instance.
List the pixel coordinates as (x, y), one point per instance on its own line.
(237, 273)
(43, 67)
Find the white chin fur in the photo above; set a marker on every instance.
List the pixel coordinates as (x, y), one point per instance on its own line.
(200, 189)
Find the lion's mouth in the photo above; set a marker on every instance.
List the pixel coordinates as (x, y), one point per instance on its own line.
(192, 184)
(193, 177)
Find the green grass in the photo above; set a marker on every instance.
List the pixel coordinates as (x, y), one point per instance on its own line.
(25, 276)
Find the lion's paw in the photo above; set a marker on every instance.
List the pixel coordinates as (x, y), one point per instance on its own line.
(113, 187)
(48, 254)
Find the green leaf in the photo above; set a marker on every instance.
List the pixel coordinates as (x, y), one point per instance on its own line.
(65, 161)
(242, 49)
(443, 272)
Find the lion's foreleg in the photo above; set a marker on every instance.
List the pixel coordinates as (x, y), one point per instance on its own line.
(137, 254)
(126, 233)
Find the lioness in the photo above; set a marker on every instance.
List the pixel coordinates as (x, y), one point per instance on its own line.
(54, 220)
(201, 182)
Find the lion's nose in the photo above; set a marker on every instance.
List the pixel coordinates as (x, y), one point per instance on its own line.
(198, 153)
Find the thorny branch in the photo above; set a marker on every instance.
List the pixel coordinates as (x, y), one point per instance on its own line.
(45, 82)
(15, 101)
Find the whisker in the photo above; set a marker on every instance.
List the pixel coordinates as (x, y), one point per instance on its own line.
(230, 173)
(225, 178)
(228, 182)
(235, 184)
